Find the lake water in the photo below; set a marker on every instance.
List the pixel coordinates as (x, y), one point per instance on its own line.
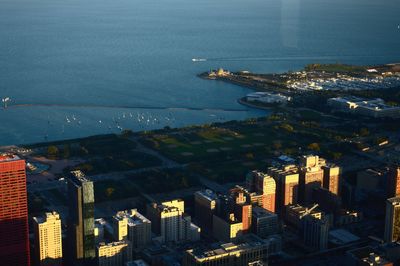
(84, 56)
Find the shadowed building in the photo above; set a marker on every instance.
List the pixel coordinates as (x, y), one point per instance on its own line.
(327, 201)
(226, 229)
(48, 239)
(133, 226)
(265, 223)
(14, 244)
(295, 214)
(241, 208)
(287, 179)
(331, 178)
(114, 253)
(205, 202)
(245, 251)
(81, 219)
(366, 256)
(265, 185)
(170, 222)
(393, 187)
(315, 232)
(392, 221)
(311, 176)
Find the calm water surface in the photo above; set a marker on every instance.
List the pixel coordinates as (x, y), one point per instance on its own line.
(84, 55)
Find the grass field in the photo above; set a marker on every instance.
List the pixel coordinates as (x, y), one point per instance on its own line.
(225, 153)
(210, 143)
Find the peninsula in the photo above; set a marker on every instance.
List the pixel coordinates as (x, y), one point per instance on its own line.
(313, 86)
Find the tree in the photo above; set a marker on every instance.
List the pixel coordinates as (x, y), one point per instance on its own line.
(287, 127)
(364, 132)
(52, 151)
(277, 145)
(85, 167)
(67, 151)
(109, 192)
(337, 155)
(249, 155)
(184, 182)
(314, 146)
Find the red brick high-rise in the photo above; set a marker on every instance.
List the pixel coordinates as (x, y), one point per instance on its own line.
(14, 239)
(265, 185)
(242, 208)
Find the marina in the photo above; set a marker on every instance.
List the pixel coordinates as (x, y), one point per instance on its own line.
(343, 83)
(102, 69)
(65, 122)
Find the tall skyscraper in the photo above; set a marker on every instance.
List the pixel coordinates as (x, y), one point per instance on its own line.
(14, 239)
(392, 221)
(315, 232)
(227, 228)
(264, 184)
(331, 178)
(81, 218)
(393, 186)
(242, 208)
(133, 226)
(311, 176)
(287, 185)
(265, 223)
(171, 223)
(205, 204)
(48, 239)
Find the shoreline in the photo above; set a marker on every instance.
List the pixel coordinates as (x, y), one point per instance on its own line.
(258, 82)
(315, 81)
(246, 103)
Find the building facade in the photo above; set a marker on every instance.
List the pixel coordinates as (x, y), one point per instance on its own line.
(14, 244)
(392, 220)
(114, 253)
(265, 223)
(331, 178)
(393, 189)
(265, 185)
(81, 237)
(311, 177)
(226, 229)
(238, 253)
(315, 232)
(205, 207)
(168, 221)
(133, 226)
(287, 178)
(48, 239)
(241, 207)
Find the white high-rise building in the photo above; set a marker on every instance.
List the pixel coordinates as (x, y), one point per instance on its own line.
(169, 221)
(133, 226)
(48, 239)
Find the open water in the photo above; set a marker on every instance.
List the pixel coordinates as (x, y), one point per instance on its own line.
(84, 67)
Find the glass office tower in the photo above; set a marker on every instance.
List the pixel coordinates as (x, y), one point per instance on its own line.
(81, 219)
